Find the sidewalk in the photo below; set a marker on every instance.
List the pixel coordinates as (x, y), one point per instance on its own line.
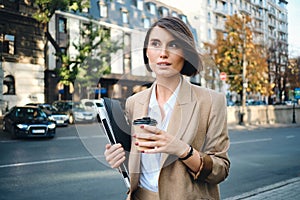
(287, 190)
(252, 127)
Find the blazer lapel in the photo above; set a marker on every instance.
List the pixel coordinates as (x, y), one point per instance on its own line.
(181, 116)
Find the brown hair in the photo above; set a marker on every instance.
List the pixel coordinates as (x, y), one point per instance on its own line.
(180, 31)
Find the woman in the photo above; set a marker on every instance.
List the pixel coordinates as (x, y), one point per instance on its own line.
(187, 149)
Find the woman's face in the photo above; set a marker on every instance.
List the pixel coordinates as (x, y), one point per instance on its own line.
(164, 53)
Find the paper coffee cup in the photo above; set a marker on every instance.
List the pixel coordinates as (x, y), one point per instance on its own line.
(136, 129)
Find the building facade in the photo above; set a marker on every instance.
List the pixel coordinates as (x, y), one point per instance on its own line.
(127, 21)
(269, 27)
(21, 53)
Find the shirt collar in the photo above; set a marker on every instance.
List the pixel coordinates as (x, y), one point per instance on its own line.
(171, 101)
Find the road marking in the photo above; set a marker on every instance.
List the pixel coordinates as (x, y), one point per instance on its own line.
(62, 138)
(251, 141)
(46, 161)
(80, 137)
(290, 136)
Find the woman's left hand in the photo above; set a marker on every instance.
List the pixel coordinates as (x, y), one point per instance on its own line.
(161, 142)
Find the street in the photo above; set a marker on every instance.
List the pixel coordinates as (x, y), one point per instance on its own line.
(71, 166)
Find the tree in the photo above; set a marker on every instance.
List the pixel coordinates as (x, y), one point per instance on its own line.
(46, 9)
(293, 73)
(94, 53)
(235, 47)
(210, 68)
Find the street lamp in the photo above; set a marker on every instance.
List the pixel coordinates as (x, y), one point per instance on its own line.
(244, 72)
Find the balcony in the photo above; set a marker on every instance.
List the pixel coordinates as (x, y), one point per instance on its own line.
(222, 12)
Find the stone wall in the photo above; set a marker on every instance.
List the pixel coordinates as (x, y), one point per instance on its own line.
(256, 115)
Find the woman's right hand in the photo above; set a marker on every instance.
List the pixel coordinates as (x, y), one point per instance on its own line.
(114, 155)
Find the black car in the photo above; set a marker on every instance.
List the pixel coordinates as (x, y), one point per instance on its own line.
(28, 121)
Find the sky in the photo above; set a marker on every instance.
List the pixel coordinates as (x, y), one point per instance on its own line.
(293, 8)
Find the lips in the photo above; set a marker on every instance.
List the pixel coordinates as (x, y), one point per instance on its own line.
(163, 64)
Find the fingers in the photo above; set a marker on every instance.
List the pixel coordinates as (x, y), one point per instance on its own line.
(114, 155)
(153, 129)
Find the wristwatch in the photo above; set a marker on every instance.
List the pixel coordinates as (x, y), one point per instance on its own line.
(190, 153)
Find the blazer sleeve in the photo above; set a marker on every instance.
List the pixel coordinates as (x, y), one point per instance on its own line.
(215, 149)
(128, 109)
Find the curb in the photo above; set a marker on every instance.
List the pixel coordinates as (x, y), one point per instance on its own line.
(262, 190)
(252, 127)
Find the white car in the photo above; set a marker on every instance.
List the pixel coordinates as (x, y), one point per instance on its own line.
(93, 105)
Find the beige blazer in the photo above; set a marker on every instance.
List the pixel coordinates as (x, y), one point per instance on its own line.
(199, 118)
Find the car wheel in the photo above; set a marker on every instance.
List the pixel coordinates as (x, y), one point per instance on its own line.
(14, 134)
(71, 119)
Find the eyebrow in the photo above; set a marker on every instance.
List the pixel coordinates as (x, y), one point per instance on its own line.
(154, 39)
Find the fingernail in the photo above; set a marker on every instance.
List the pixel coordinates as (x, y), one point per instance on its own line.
(136, 143)
(142, 126)
(134, 135)
(143, 151)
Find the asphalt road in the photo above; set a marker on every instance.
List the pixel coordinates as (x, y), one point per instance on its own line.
(71, 166)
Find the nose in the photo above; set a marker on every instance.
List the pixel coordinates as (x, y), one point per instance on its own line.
(163, 53)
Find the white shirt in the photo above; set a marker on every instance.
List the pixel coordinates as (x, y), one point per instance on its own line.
(150, 163)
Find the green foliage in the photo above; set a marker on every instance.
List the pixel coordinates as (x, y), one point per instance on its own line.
(46, 8)
(94, 49)
(94, 52)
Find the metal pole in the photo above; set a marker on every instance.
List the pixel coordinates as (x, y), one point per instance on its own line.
(294, 115)
(244, 110)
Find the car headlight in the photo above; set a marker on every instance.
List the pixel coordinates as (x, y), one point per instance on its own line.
(51, 118)
(22, 126)
(51, 126)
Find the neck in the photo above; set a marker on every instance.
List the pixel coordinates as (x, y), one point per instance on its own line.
(165, 88)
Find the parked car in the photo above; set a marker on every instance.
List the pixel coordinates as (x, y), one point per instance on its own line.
(75, 111)
(60, 118)
(28, 121)
(93, 105)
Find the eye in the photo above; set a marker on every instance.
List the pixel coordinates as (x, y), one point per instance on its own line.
(174, 45)
(155, 43)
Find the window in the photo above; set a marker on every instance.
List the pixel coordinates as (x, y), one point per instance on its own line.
(209, 17)
(9, 82)
(103, 9)
(152, 8)
(125, 19)
(140, 4)
(209, 34)
(163, 12)
(8, 44)
(184, 18)
(62, 25)
(174, 14)
(146, 22)
(127, 53)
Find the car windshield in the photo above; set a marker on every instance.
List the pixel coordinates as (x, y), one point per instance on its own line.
(29, 113)
(78, 106)
(99, 105)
